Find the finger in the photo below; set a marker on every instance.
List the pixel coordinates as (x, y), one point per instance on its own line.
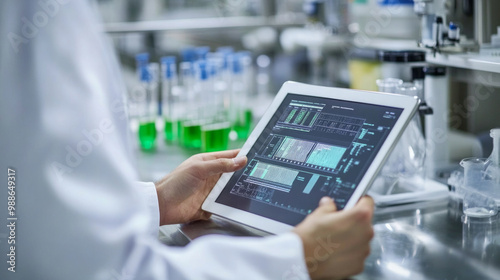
(364, 208)
(221, 165)
(366, 202)
(326, 205)
(221, 154)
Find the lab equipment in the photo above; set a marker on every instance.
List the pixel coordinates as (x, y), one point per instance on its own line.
(391, 59)
(477, 200)
(384, 18)
(148, 107)
(216, 127)
(479, 183)
(406, 161)
(188, 130)
(399, 64)
(388, 85)
(436, 125)
(171, 105)
(492, 49)
(493, 163)
(418, 78)
(436, 33)
(240, 111)
(191, 126)
(209, 101)
(453, 32)
(215, 136)
(201, 52)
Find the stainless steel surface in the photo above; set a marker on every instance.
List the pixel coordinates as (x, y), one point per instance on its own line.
(428, 240)
(205, 23)
(433, 241)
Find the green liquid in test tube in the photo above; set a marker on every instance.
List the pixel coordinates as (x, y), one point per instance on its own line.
(148, 76)
(170, 98)
(215, 137)
(172, 132)
(243, 124)
(147, 135)
(191, 134)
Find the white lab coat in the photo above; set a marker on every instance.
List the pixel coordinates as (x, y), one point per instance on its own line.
(64, 131)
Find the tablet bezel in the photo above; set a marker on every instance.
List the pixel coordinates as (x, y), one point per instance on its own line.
(407, 103)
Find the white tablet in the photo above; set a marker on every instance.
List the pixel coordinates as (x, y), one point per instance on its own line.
(312, 142)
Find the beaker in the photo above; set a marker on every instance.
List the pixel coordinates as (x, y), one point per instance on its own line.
(477, 201)
(388, 85)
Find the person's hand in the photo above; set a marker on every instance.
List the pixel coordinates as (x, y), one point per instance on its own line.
(336, 244)
(182, 192)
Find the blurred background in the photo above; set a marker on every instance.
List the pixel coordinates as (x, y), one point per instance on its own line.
(337, 43)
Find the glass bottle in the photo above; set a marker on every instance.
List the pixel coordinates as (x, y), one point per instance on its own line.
(148, 107)
(240, 111)
(170, 99)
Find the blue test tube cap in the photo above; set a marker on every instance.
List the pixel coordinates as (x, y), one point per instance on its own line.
(203, 73)
(245, 57)
(201, 52)
(142, 60)
(212, 66)
(168, 61)
(226, 52)
(235, 60)
(188, 54)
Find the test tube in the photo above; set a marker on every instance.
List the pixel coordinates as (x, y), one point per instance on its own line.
(216, 128)
(190, 125)
(148, 108)
(240, 111)
(170, 99)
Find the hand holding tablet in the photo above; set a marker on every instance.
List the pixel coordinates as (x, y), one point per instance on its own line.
(312, 142)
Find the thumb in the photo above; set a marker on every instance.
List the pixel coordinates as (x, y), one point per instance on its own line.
(221, 165)
(326, 205)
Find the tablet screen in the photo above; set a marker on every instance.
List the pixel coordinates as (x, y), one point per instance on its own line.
(312, 147)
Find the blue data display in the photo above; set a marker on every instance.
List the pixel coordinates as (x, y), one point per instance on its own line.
(312, 147)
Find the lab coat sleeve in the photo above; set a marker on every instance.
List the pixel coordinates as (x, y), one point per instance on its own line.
(150, 197)
(64, 130)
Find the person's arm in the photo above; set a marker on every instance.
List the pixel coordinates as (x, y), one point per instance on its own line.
(335, 243)
(64, 131)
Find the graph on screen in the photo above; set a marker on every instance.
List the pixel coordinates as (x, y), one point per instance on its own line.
(294, 149)
(326, 155)
(265, 173)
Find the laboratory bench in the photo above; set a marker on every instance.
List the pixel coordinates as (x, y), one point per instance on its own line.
(423, 240)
